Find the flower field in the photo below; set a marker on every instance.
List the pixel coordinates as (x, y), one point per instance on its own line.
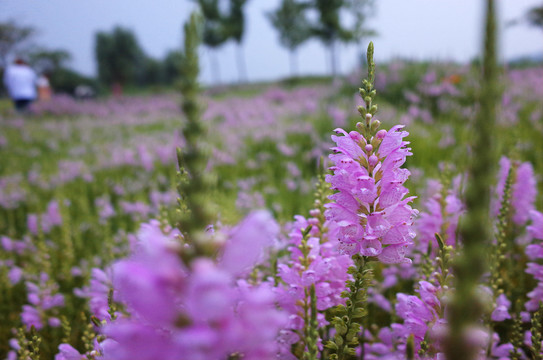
(306, 221)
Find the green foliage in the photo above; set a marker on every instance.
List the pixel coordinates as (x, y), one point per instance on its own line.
(361, 10)
(235, 25)
(192, 157)
(536, 330)
(497, 257)
(312, 327)
(535, 16)
(151, 72)
(215, 29)
(13, 37)
(65, 80)
(118, 55)
(291, 22)
(48, 61)
(329, 27)
(172, 67)
(348, 318)
(368, 128)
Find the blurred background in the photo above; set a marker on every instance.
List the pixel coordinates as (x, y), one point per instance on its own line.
(136, 43)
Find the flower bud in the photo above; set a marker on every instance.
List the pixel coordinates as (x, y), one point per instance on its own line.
(373, 160)
(314, 212)
(375, 125)
(368, 148)
(381, 134)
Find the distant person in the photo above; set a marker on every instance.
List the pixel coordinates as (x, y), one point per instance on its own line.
(44, 88)
(20, 80)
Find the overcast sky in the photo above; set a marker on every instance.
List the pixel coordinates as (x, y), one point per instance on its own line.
(421, 29)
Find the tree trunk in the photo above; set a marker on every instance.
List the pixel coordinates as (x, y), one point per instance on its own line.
(215, 71)
(333, 58)
(293, 63)
(242, 69)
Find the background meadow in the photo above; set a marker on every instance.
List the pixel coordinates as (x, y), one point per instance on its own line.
(84, 182)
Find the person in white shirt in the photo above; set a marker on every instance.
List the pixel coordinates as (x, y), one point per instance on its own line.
(20, 80)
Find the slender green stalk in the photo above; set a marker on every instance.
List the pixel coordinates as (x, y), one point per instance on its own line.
(368, 93)
(537, 322)
(193, 185)
(348, 319)
(312, 327)
(517, 338)
(504, 218)
(466, 308)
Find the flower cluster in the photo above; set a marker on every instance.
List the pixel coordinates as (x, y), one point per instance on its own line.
(199, 310)
(98, 293)
(534, 252)
(313, 262)
(441, 215)
(369, 207)
(422, 314)
(44, 300)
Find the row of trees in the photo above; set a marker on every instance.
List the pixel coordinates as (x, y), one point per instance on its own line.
(295, 27)
(121, 61)
(293, 22)
(221, 24)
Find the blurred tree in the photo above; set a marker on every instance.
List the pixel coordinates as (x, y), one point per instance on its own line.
(118, 56)
(215, 32)
(64, 80)
(12, 37)
(329, 28)
(361, 10)
(53, 63)
(171, 66)
(535, 16)
(293, 26)
(235, 27)
(151, 72)
(47, 61)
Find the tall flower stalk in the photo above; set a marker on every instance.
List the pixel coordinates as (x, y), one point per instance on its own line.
(374, 218)
(466, 308)
(193, 184)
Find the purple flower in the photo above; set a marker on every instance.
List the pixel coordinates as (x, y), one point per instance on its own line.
(45, 301)
(534, 252)
(321, 267)
(15, 275)
(32, 223)
(501, 312)
(97, 293)
(436, 218)
(247, 242)
(67, 352)
(536, 228)
(369, 206)
(200, 311)
(51, 217)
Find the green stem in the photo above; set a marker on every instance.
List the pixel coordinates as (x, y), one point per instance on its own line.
(466, 308)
